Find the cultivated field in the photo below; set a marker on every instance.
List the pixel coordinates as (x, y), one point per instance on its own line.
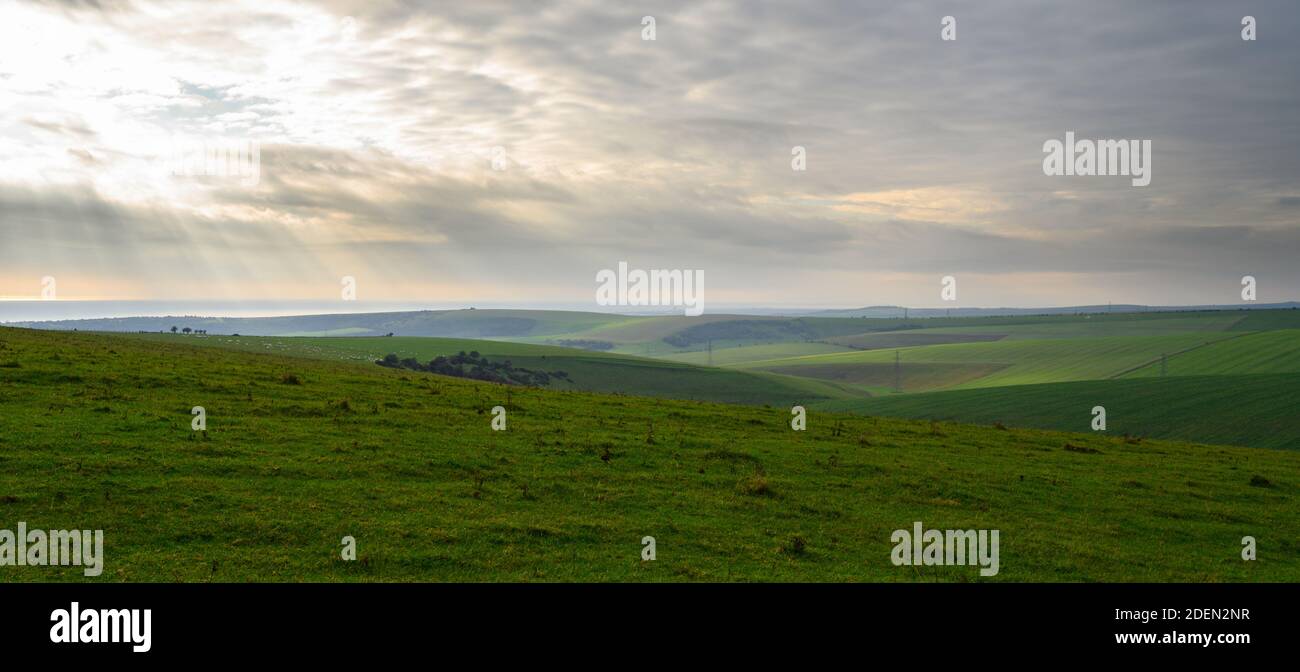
(1252, 410)
(1010, 362)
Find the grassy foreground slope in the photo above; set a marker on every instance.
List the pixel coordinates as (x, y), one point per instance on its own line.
(1255, 410)
(298, 453)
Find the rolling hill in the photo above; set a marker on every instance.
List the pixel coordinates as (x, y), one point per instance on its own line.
(779, 360)
(298, 452)
(467, 323)
(587, 371)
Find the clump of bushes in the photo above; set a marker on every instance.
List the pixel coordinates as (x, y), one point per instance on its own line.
(796, 546)
(755, 486)
(473, 365)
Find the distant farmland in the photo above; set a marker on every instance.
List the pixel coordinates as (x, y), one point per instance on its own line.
(1264, 352)
(1016, 362)
(1252, 410)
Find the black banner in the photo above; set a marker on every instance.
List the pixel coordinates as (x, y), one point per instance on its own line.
(935, 622)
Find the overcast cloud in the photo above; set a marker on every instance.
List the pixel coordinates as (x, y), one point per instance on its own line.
(379, 121)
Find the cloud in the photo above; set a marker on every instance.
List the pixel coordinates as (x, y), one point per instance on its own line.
(382, 125)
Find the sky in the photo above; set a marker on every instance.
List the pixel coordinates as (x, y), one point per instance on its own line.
(507, 152)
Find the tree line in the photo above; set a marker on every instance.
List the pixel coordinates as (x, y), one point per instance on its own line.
(475, 366)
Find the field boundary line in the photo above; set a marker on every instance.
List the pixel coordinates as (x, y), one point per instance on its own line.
(1175, 354)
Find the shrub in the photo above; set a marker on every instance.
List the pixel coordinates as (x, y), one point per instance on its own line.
(796, 546)
(755, 486)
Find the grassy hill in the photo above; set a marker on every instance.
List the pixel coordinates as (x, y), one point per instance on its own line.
(587, 371)
(1252, 410)
(300, 452)
(813, 360)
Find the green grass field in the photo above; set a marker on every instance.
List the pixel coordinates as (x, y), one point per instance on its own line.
(300, 452)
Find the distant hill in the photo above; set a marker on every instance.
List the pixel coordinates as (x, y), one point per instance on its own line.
(554, 326)
(468, 323)
(902, 311)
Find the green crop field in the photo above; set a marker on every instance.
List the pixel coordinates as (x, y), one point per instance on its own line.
(1253, 410)
(884, 377)
(1087, 326)
(729, 356)
(1268, 320)
(1048, 374)
(1262, 352)
(916, 337)
(95, 432)
(1009, 362)
(638, 330)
